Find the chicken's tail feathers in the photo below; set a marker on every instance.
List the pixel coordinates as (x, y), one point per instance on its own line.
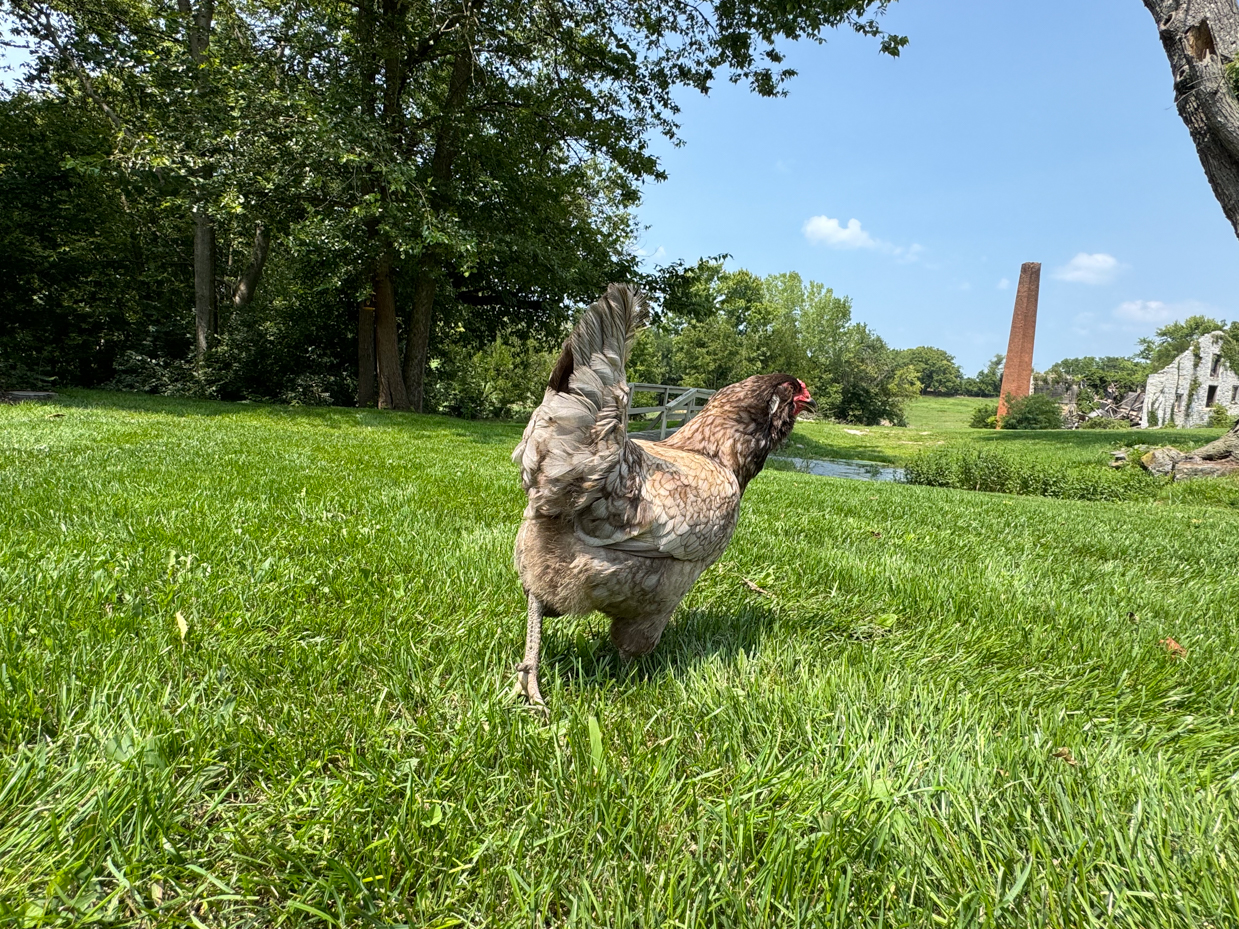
(600, 342)
(574, 439)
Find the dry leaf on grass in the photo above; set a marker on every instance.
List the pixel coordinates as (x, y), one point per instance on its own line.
(1064, 753)
(753, 587)
(1176, 650)
(182, 625)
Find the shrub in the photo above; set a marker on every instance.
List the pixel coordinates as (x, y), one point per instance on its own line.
(1152, 418)
(502, 380)
(1036, 411)
(984, 417)
(1102, 422)
(1220, 417)
(999, 472)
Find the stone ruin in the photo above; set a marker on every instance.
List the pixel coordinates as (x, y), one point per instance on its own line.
(1113, 404)
(1184, 392)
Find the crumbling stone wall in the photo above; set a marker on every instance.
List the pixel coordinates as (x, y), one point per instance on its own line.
(1181, 390)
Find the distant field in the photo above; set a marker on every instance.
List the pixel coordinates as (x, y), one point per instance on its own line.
(939, 413)
(935, 421)
(256, 662)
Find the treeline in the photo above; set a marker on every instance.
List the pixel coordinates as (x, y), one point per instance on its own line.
(717, 327)
(319, 202)
(711, 327)
(1113, 374)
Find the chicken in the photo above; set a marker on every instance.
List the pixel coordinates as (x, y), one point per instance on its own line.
(625, 526)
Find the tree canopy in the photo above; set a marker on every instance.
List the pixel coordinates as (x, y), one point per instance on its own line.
(935, 369)
(1173, 339)
(438, 171)
(721, 327)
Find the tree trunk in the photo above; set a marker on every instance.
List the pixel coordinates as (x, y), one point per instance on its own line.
(1225, 447)
(392, 395)
(247, 284)
(418, 344)
(1200, 38)
(204, 281)
(198, 33)
(366, 382)
(422, 313)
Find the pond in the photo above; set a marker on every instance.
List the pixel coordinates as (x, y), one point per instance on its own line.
(855, 469)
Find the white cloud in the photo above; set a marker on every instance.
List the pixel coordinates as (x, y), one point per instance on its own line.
(823, 230)
(1089, 269)
(827, 231)
(1004, 284)
(655, 255)
(1139, 317)
(910, 254)
(1146, 311)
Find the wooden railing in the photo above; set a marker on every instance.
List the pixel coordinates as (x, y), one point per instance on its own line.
(674, 407)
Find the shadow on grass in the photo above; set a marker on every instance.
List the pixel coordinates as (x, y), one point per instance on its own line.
(696, 636)
(487, 432)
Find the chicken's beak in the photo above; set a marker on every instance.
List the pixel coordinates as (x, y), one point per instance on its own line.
(810, 407)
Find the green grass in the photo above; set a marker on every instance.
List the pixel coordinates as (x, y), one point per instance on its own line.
(941, 413)
(941, 450)
(938, 421)
(332, 740)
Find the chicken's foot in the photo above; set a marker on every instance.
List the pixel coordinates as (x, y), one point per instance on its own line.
(527, 670)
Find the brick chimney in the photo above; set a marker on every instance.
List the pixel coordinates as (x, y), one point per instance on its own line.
(1017, 369)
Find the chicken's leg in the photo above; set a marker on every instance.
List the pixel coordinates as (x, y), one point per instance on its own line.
(527, 681)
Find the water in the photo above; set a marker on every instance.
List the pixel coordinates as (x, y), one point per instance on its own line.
(844, 467)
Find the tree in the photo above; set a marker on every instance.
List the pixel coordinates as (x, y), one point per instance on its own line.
(86, 257)
(935, 369)
(1173, 339)
(434, 107)
(188, 90)
(987, 382)
(1201, 41)
(452, 171)
(1098, 374)
(718, 327)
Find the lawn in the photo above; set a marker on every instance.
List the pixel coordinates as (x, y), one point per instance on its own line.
(939, 421)
(255, 669)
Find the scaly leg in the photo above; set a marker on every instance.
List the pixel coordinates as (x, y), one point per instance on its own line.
(527, 682)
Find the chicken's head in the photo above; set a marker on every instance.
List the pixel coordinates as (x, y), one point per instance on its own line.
(802, 400)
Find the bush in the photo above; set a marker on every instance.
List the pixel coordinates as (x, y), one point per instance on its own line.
(1152, 418)
(1036, 411)
(984, 417)
(998, 472)
(1220, 417)
(504, 379)
(1102, 422)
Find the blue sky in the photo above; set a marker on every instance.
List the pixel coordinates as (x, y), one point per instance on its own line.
(1006, 132)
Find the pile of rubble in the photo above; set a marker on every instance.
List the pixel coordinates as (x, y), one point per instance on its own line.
(1112, 406)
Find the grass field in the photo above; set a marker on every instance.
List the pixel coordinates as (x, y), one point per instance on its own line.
(938, 421)
(255, 669)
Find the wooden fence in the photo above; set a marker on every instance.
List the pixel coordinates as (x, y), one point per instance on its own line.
(674, 406)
